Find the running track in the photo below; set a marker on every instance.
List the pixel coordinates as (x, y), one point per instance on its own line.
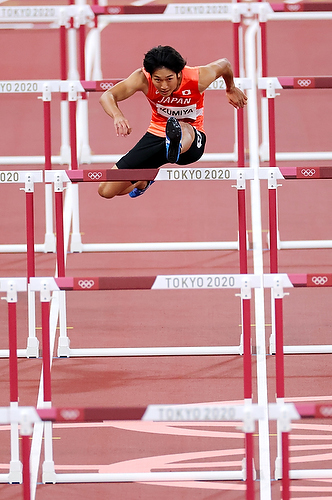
(170, 212)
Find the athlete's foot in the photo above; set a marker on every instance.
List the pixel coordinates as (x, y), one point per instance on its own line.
(138, 192)
(173, 139)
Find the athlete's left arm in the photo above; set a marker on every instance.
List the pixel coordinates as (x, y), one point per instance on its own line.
(222, 68)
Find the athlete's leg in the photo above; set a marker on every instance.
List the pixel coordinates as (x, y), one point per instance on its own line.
(188, 136)
(118, 188)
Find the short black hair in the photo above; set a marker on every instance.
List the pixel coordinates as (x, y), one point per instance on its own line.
(163, 57)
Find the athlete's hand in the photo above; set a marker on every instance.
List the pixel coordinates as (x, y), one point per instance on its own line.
(122, 127)
(236, 98)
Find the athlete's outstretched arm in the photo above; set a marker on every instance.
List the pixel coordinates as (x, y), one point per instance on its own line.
(121, 91)
(222, 68)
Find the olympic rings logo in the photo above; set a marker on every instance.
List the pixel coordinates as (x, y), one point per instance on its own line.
(293, 7)
(95, 176)
(114, 10)
(106, 85)
(326, 411)
(319, 280)
(70, 414)
(308, 172)
(86, 284)
(304, 83)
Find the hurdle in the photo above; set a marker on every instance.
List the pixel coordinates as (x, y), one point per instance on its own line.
(288, 11)
(72, 18)
(277, 283)
(28, 179)
(270, 85)
(68, 20)
(11, 286)
(164, 174)
(200, 174)
(27, 417)
(292, 173)
(162, 282)
(159, 282)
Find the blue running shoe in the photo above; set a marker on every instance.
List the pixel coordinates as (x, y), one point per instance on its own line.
(173, 139)
(138, 192)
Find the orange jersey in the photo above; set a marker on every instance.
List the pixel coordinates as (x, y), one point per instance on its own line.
(186, 104)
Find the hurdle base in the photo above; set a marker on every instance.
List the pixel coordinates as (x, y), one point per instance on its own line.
(85, 156)
(244, 469)
(149, 351)
(15, 472)
(310, 474)
(308, 349)
(65, 155)
(161, 247)
(278, 469)
(32, 347)
(300, 349)
(64, 347)
(50, 243)
(149, 477)
(21, 353)
(272, 344)
(49, 475)
(76, 244)
(304, 244)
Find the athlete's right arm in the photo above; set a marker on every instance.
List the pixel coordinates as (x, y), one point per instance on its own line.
(121, 91)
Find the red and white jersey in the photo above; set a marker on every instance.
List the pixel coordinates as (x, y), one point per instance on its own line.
(186, 104)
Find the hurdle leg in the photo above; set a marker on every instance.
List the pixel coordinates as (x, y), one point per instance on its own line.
(64, 341)
(284, 425)
(247, 377)
(82, 111)
(58, 189)
(26, 432)
(72, 98)
(76, 240)
(15, 471)
(49, 244)
(32, 343)
(277, 292)
(48, 465)
(249, 428)
(65, 147)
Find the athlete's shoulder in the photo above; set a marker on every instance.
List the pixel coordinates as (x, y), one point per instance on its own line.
(138, 80)
(212, 71)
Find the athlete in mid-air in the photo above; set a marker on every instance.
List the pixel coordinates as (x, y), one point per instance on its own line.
(175, 92)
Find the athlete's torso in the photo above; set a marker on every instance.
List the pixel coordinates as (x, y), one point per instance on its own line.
(186, 103)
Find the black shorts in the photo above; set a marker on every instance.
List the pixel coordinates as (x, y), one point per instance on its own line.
(150, 152)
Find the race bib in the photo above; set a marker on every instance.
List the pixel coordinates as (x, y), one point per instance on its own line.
(180, 113)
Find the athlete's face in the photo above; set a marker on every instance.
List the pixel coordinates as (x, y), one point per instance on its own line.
(166, 81)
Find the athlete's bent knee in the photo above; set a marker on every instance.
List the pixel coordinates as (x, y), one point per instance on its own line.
(104, 191)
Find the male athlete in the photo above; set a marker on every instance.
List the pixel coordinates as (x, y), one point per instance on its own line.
(175, 92)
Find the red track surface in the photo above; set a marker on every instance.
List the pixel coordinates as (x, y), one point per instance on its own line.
(170, 212)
